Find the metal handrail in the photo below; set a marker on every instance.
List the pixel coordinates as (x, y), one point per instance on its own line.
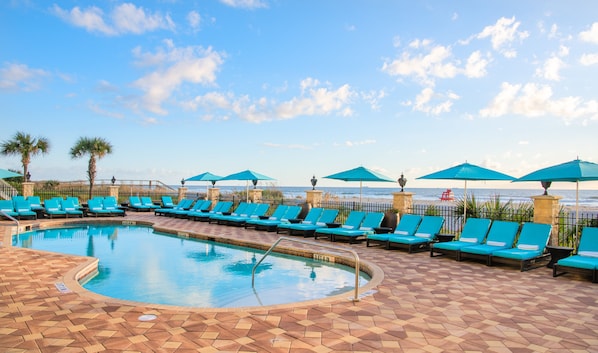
(12, 219)
(356, 295)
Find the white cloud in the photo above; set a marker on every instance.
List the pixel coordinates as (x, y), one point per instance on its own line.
(359, 143)
(426, 96)
(589, 59)
(193, 65)
(194, 19)
(532, 100)
(590, 35)
(434, 62)
(247, 4)
(125, 18)
(503, 34)
(20, 77)
(314, 100)
(551, 69)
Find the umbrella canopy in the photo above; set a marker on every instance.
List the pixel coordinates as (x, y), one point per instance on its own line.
(467, 171)
(572, 171)
(359, 174)
(8, 174)
(207, 176)
(247, 175)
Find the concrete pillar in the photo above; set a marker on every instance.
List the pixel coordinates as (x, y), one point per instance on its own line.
(28, 188)
(182, 193)
(402, 201)
(314, 198)
(546, 210)
(113, 191)
(213, 195)
(255, 195)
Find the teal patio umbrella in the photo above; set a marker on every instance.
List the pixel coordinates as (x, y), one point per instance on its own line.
(247, 175)
(8, 174)
(359, 174)
(207, 176)
(465, 172)
(573, 171)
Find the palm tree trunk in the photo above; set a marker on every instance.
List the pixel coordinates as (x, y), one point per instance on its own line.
(91, 173)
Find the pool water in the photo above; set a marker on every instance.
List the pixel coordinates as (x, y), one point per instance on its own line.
(136, 263)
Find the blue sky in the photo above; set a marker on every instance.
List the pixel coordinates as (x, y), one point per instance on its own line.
(296, 88)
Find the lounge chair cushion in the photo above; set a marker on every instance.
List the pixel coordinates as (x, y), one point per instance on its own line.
(495, 243)
(588, 253)
(527, 247)
(578, 261)
(423, 235)
(469, 240)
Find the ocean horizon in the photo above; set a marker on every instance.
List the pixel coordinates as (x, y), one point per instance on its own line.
(587, 198)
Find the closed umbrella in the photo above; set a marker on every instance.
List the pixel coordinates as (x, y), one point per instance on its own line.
(465, 172)
(8, 174)
(573, 171)
(247, 175)
(359, 174)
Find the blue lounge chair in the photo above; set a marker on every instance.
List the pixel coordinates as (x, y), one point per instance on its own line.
(95, 207)
(204, 216)
(270, 225)
(241, 209)
(53, 208)
(311, 218)
(147, 202)
(197, 207)
(529, 251)
(36, 203)
(474, 232)
(278, 213)
(308, 229)
(407, 226)
(167, 202)
(7, 207)
(69, 207)
(136, 205)
(352, 222)
(184, 204)
(426, 233)
(23, 209)
(370, 221)
(500, 236)
(109, 203)
(585, 261)
(253, 212)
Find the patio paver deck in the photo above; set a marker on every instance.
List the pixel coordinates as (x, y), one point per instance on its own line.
(423, 304)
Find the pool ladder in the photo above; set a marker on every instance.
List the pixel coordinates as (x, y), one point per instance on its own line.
(355, 256)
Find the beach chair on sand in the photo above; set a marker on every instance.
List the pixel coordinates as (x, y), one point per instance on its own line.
(352, 222)
(407, 226)
(500, 236)
(474, 232)
(370, 221)
(529, 251)
(426, 233)
(585, 261)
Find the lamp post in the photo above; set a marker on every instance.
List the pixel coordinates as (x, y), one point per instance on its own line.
(254, 182)
(402, 181)
(183, 182)
(546, 185)
(113, 180)
(314, 181)
(28, 177)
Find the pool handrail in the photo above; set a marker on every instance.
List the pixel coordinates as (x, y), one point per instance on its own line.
(336, 248)
(12, 219)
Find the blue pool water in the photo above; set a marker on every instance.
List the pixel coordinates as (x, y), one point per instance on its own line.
(139, 264)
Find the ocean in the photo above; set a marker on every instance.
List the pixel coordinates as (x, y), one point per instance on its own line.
(587, 198)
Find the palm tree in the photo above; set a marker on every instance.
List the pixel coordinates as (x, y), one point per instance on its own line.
(26, 146)
(97, 148)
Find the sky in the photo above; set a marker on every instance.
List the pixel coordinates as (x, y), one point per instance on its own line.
(293, 89)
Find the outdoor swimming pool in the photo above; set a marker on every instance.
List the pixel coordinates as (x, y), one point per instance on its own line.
(136, 263)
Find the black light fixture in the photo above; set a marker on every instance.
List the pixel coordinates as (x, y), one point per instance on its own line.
(113, 180)
(28, 177)
(546, 185)
(183, 182)
(254, 181)
(213, 183)
(402, 181)
(314, 181)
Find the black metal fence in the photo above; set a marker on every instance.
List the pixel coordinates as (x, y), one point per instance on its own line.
(571, 224)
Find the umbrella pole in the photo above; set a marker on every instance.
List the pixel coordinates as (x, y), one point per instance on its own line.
(465, 204)
(360, 203)
(576, 213)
